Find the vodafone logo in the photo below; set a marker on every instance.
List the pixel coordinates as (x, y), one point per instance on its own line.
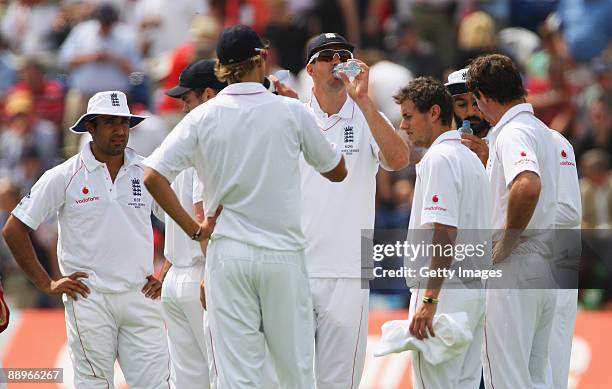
(85, 190)
(435, 199)
(563, 154)
(523, 154)
(87, 199)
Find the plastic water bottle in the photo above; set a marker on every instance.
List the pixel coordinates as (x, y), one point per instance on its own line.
(466, 128)
(282, 75)
(351, 69)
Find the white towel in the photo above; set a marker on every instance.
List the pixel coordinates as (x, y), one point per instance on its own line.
(452, 331)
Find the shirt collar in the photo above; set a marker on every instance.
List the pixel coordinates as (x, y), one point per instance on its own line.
(509, 115)
(129, 158)
(243, 88)
(346, 112)
(447, 135)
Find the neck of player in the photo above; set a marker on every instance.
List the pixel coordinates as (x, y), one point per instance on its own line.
(113, 162)
(330, 102)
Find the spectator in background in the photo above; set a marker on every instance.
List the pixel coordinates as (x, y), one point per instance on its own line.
(433, 20)
(599, 135)
(8, 73)
(100, 54)
(596, 189)
(477, 36)
(25, 130)
(47, 94)
(406, 48)
(26, 25)
(204, 31)
(551, 97)
(586, 27)
(288, 34)
(162, 27)
(69, 15)
(386, 77)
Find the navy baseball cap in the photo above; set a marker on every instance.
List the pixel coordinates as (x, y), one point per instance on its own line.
(199, 74)
(326, 40)
(237, 44)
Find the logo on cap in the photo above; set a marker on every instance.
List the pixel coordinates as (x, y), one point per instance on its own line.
(330, 35)
(114, 100)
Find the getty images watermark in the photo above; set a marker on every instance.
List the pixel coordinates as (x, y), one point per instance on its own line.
(397, 259)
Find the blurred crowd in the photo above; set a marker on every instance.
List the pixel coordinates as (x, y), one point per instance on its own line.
(55, 54)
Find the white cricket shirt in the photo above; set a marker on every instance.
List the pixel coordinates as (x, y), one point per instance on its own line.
(245, 145)
(104, 227)
(451, 188)
(179, 248)
(335, 213)
(569, 204)
(520, 142)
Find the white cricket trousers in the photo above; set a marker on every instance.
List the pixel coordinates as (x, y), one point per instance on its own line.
(341, 331)
(125, 326)
(561, 336)
(465, 370)
(256, 296)
(184, 318)
(517, 334)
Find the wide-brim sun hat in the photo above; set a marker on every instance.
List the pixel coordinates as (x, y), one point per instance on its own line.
(113, 103)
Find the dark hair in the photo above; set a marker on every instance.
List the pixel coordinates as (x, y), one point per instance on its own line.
(425, 92)
(497, 77)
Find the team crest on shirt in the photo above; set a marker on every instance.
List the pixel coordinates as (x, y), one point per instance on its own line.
(137, 193)
(349, 139)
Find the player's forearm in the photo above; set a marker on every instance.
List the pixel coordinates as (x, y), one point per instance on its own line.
(161, 191)
(522, 200)
(17, 237)
(394, 151)
(167, 265)
(443, 236)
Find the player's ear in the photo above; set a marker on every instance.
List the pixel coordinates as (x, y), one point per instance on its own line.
(90, 126)
(434, 112)
(309, 69)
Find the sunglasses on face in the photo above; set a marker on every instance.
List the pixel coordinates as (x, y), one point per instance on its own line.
(329, 55)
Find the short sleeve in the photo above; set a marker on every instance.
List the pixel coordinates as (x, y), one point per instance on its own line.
(517, 149)
(175, 154)
(46, 197)
(440, 188)
(198, 188)
(317, 151)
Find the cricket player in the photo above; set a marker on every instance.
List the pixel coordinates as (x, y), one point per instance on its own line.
(105, 252)
(523, 172)
(451, 202)
(567, 223)
(185, 259)
(465, 108)
(567, 246)
(334, 214)
(245, 146)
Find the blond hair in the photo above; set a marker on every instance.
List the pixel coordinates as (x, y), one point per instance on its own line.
(477, 31)
(234, 73)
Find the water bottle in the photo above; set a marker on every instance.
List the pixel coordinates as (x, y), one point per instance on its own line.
(282, 75)
(351, 69)
(466, 128)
